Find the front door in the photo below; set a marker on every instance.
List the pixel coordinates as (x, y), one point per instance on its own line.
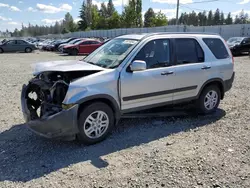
(153, 86)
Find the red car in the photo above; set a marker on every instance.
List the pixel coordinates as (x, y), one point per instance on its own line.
(85, 46)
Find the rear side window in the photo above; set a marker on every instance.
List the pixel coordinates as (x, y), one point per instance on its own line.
(217, 47)
(188, 51)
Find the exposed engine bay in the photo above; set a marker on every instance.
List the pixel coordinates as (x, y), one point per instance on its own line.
(46, 92)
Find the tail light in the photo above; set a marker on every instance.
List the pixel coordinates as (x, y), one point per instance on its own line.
(230, 52)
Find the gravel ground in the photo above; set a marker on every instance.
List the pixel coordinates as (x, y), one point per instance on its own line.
(204, 151)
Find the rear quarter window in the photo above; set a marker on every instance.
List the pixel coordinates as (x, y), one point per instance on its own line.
(217, 47)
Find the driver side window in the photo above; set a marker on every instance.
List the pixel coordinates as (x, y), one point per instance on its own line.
(155, 53)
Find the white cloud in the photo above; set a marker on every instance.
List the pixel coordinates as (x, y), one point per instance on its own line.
(30, 9)
(244, 2)
(172, 1)
(13, 23)
(51, 21)
(116, 3)
(20, 2)
(77, 20)
(52, 9)
(4, 5)
(4, 19)
(13, 8)
(170, 13)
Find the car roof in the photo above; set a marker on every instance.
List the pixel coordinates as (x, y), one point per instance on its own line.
(146, 35)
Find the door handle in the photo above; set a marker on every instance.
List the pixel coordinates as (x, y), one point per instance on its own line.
(206, 67)
(167, 73)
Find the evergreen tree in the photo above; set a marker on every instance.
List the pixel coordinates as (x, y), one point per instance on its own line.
(110, 8)
(68, 23)
(222, 18)
(138, 10)
(237, 20)
(210, 18)
(82, 24)
(216, 20)
(149, 18)
(229, 19)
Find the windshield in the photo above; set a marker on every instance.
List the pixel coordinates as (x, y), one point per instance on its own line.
(111, 54)
(235, 40)
(74, 41)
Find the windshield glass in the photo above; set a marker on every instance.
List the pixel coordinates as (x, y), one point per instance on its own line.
(235, 40)
(111, 54)
(74, 41)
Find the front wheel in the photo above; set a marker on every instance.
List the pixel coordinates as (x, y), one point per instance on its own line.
(74, 52)
(95, 123)
(1, 50)
(209, 100)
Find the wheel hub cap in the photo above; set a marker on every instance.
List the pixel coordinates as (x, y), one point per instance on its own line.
(211, 100)
(96, 124)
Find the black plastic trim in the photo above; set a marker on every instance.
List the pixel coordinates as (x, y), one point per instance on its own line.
(135, 97)
(115, 106)
(158, 105)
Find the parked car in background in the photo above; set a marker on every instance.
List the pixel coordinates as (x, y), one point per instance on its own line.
(63, 42)
(239, 45)
(85, 46)
(60, 48)
(85, 99)
(17, 46)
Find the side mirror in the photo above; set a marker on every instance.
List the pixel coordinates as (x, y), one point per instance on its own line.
(138, 65)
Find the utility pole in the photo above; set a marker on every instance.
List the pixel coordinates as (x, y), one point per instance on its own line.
(177, 12)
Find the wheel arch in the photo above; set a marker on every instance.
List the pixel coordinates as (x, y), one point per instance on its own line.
(215, 81)
(109, 100)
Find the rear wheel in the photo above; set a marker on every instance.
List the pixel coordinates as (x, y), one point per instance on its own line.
(1, 50)
(95, 123)
(28, 50)
(209, 99)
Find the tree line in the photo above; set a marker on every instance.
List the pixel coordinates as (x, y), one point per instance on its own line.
(107, 17)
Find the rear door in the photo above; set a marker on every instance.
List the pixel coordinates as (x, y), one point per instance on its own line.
(21, 45)
(191, 70)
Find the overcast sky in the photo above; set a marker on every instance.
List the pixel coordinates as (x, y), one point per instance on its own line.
(15, 12)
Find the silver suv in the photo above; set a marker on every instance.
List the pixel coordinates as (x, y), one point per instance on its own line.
(85, 99)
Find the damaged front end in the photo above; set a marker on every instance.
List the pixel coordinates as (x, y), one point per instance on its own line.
(42, 105)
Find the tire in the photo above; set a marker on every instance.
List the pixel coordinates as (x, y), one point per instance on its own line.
(89, 125)
(1, 51)
(28, 50)
(212, 91)
(74, 52)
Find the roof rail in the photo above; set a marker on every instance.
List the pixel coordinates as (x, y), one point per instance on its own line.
(164, 33)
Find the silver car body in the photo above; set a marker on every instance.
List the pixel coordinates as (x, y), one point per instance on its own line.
(133, 91)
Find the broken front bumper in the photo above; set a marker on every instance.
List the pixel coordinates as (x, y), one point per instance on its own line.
(61, 124)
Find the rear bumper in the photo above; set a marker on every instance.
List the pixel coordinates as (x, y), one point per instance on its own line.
(229, 83)
(61, 124)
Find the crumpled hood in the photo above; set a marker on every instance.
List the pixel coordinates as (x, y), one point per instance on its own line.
(64, 66)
